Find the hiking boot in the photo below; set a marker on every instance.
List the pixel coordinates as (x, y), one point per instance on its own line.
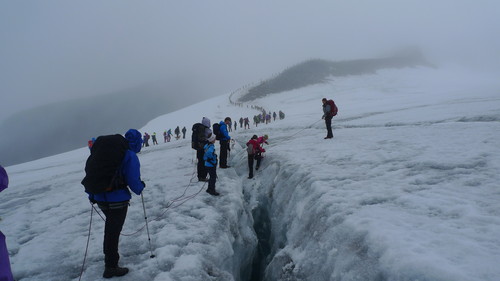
(328, 138)
(249, 177)
(114, 271)
(213, 192)
(205, 179)
(225, 167)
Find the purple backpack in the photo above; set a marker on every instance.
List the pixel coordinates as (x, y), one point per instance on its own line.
(4, 179)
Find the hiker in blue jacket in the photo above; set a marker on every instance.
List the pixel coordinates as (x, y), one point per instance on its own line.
(114, 204)
(211, 164)
(224, 142)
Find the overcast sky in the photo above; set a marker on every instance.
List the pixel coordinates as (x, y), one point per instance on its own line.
(53, 50)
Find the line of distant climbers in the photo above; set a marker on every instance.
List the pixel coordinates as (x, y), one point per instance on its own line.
(244, 122)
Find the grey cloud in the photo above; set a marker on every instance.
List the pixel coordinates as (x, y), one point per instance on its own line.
(59, 50)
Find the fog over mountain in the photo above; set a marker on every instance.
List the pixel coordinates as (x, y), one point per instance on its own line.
(63, 126)
(316, 71)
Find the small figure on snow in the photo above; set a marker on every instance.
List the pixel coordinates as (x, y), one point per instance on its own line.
(254, 151)
(177, 132)
(211, 164)
(329, 110)
(153, 137)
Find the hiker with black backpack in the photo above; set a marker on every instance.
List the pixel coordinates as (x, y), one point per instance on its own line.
(111, 169)
(177, 132)
(201, 132)
(329, 110)
(184, 132)
(220, 131)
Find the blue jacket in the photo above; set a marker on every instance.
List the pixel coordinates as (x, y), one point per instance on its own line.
(130, 169)
(223, 131)
(210, 157)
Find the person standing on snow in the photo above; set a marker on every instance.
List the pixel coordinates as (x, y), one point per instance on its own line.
(114, 204)
(201, 133)
(153, 137)
(211, 164)
(328, 115)
(169, 133)
(5, 270)
(146, 139)
(177, 132)
(247, 123)
(184, 132)
(224, 142)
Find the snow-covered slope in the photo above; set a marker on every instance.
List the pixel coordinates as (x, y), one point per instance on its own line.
(407, 190)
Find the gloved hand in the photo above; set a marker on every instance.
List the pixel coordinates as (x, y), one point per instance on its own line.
(92, 200)
(263, 150)
(143, 183)
(229, 148)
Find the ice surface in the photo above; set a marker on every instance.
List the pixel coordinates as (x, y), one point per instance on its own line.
(407, 190)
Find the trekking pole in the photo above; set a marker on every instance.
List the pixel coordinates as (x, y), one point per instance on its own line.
(88, 241)
(147, 227)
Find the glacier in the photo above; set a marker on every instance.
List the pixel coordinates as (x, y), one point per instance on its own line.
(406, 190)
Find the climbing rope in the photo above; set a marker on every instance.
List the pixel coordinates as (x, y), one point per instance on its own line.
(88, 241)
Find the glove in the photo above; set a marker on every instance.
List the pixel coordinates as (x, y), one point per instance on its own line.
(92, 200)
(143, 183)
(229, 148)
(263, 150)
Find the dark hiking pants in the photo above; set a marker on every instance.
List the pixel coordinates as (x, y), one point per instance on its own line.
(251, 157)
(224, 147)
(202, 171)
(328, 122)
(212, 171)
(115, 213)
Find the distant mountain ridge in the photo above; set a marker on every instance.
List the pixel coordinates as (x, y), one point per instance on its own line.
(64, 126)
(315, 71)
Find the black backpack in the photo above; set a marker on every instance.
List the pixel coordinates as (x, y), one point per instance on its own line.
(104, 164)
(198, 138)
(216, 131)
